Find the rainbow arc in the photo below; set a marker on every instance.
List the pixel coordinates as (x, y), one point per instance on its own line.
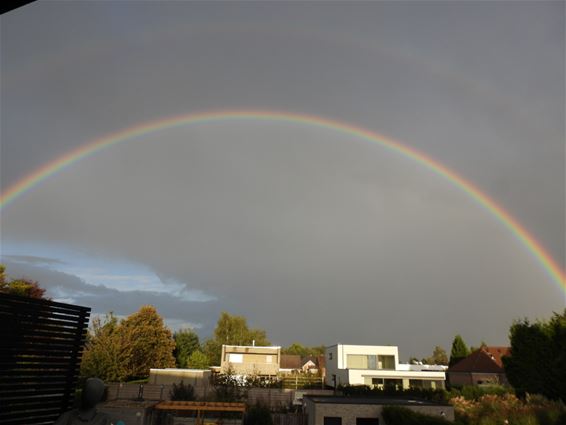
(550, 266)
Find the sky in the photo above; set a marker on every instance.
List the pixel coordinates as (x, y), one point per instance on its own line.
(314, 235)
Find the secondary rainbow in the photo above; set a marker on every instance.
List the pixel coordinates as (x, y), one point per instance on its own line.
(550, 266)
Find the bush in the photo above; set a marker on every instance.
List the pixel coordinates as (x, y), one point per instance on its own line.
(475, 392)
(396, 415)
(258, 415)
(438, 395)
(182, 392)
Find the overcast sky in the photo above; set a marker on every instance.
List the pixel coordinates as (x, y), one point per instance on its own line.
(315, 236)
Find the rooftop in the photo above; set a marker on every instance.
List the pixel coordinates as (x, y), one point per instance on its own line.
(371, 400)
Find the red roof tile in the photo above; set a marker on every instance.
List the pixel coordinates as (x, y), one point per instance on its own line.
(484, 360)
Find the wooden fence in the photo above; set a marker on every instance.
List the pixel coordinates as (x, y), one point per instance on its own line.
(41, 345)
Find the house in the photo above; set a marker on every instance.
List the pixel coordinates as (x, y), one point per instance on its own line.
(331, 410)
(250, 360)
(483, 366)
(290, 363)
(378, 365)
(293, 363)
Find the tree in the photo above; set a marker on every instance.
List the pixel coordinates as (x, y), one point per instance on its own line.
(439, 356)
(295, 349)
(198, 360)
(186, 342)
(147, 342)
(232, 330)
(303, 351)
(102, 357)
(538, 356)
(459, 350)
(22, 286)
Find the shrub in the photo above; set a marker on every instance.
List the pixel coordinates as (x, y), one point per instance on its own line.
(182, 392)
(396, 415)
(258, 415)
(437, 395)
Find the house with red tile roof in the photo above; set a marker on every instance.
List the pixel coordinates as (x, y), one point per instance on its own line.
(483, 366)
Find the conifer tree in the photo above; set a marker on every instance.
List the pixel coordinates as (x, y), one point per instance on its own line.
(459, 350)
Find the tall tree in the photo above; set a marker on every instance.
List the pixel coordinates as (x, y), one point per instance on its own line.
(459, 350)
(186, 342)
(538, 356)
(147, 342)
(102, 357)
(232, 330)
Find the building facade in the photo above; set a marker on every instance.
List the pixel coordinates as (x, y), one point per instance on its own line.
(250, 360)
(323, 410)
(378, 366)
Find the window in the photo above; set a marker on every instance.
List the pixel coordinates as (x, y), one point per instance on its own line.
(364, 361)
(386, 362)
(330, 356)
(268, 359)
(367, 421)
(357, 361)
(332, 420)
(376, 381)
(235, 358)
(394, 383)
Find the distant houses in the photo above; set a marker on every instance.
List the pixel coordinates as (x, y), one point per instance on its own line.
(483, 366)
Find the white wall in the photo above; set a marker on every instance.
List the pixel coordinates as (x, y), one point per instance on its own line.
(338, 366)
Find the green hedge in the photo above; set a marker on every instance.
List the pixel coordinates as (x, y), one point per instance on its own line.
(395, 415)
(439, 395)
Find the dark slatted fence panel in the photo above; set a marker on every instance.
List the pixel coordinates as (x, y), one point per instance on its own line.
(41, 345)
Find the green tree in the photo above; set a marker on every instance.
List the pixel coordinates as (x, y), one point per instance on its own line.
(22, 286)
(298, 349)
(538, 356)
(459, 350)
(186, 342)
(232, 330)
(295, 349)
(102, 357)
(198, 360)
(147, 342)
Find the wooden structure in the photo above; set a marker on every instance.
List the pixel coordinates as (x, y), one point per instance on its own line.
(202, 410)
(41, 344)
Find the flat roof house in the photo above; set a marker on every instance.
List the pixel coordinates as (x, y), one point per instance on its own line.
(378, 365)
(250, 360)
(330, 410)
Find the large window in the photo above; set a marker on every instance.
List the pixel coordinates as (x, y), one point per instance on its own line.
(386, 362)
(357, 361)
(364, 361)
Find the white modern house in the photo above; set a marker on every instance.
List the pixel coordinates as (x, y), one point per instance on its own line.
(378, 365)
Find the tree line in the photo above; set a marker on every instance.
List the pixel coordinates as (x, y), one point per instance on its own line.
(120, 350)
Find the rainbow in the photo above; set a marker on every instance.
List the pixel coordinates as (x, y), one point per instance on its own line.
(550, 266)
